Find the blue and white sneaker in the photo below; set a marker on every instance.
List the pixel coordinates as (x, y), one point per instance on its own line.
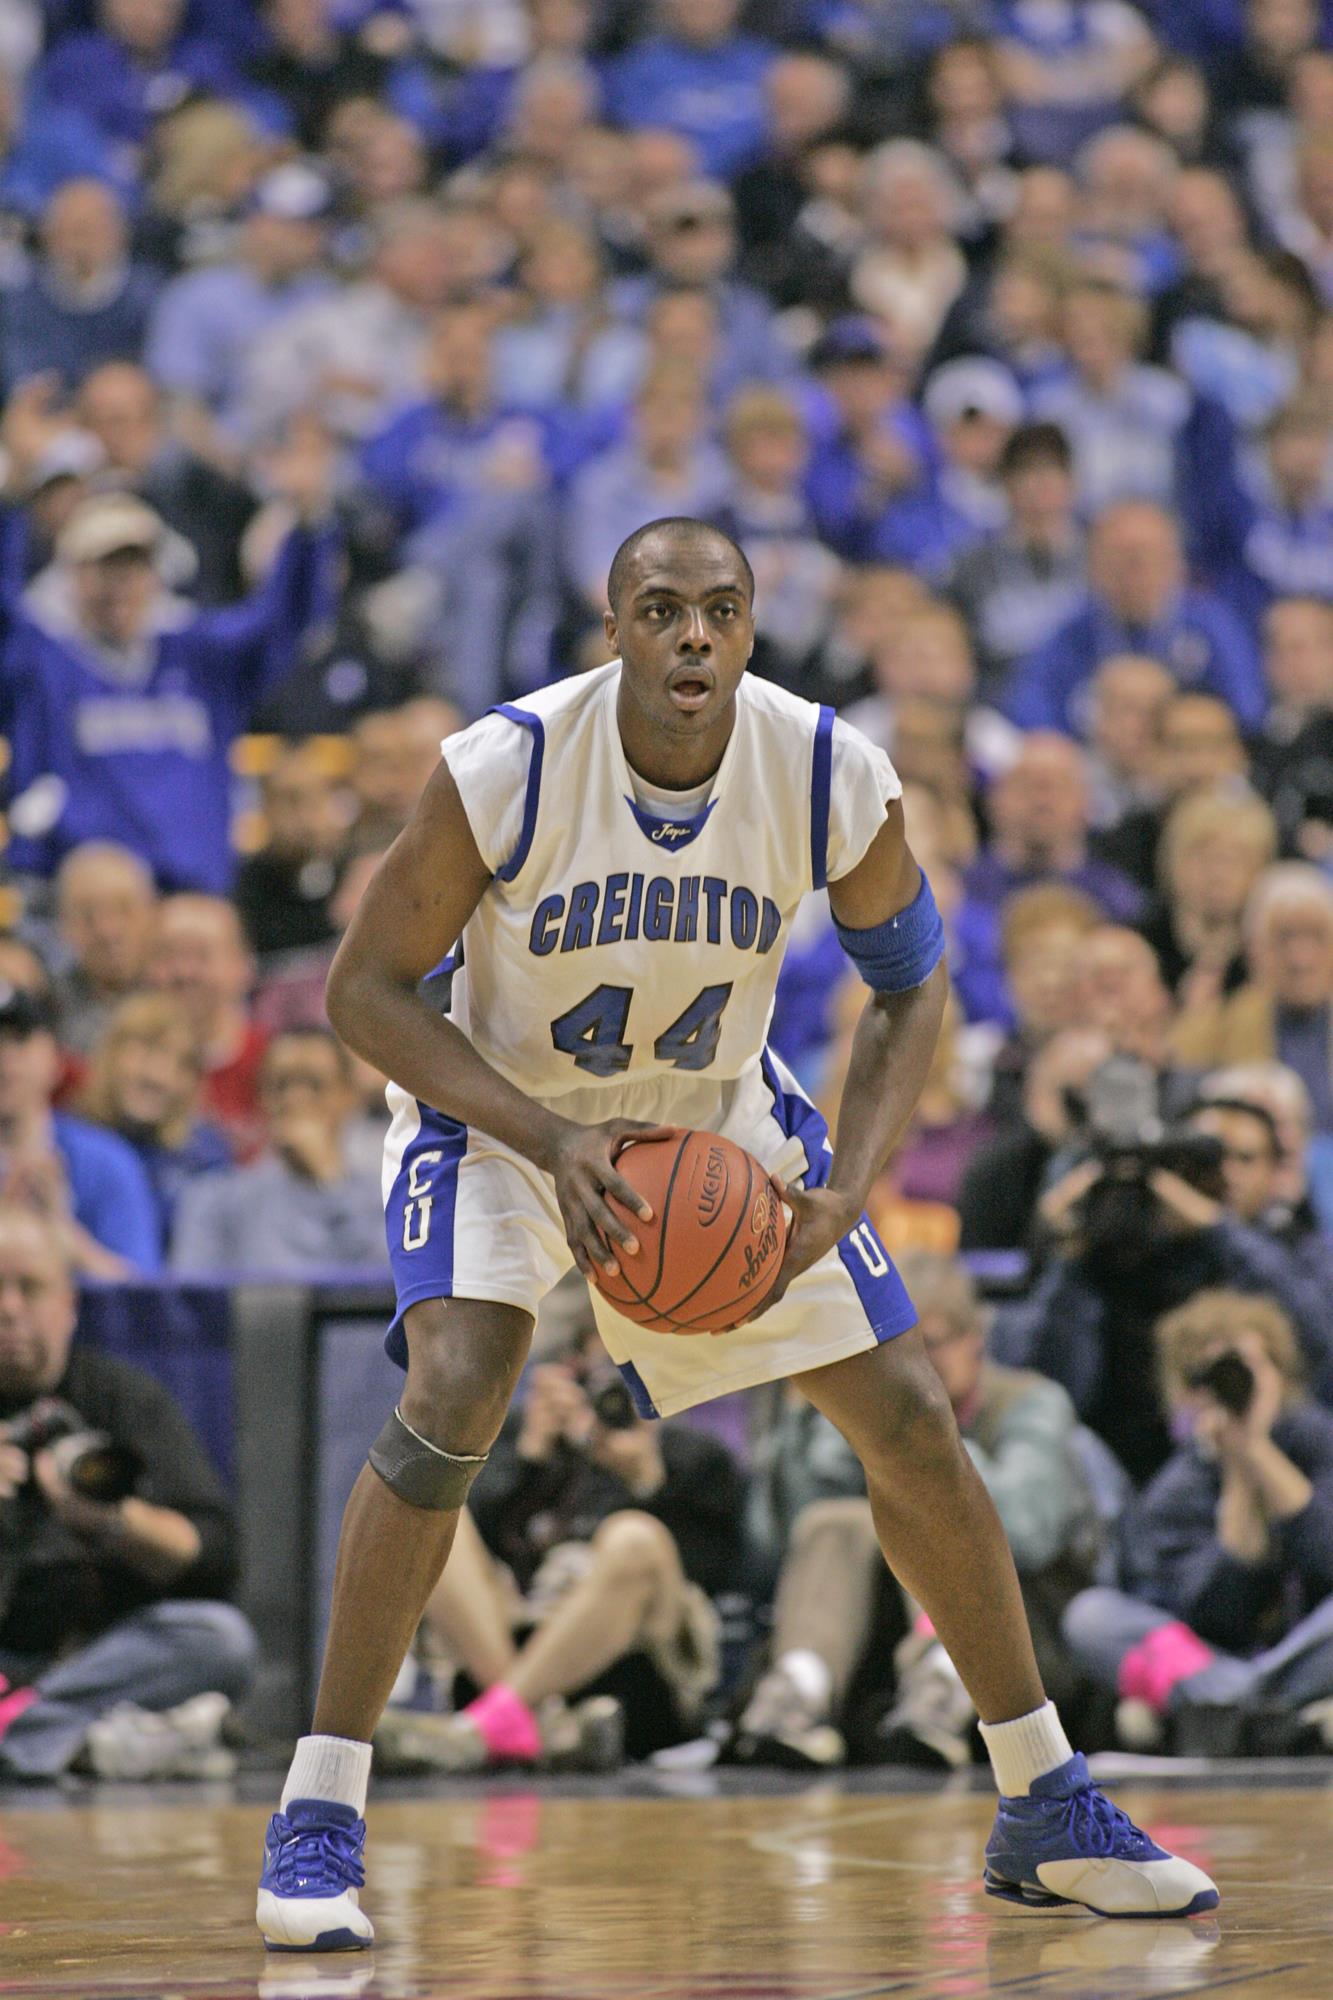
(1066, 1846)
(313, 1870)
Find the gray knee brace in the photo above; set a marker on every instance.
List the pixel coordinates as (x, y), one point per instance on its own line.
(418, 1471)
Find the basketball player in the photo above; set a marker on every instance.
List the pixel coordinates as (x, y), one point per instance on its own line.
(621, 857)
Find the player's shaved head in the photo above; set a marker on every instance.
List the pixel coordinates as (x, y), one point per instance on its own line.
(674, 533)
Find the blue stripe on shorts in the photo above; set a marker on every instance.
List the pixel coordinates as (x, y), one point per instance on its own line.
(419, 1219)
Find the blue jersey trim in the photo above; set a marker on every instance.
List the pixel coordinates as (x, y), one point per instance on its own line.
(670, 834)
(821, 785)
(638, 1389)
(799, 1119)
(534, 723)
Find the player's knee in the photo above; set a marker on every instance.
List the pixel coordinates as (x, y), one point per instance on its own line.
(632, 1544)
(917, 1438)
(457, 1389)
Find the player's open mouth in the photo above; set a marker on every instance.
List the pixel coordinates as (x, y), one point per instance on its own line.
(690, 688)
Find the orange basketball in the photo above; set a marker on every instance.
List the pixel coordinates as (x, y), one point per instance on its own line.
(715, 1244)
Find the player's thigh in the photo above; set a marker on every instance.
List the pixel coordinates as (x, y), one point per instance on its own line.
(464, 1358)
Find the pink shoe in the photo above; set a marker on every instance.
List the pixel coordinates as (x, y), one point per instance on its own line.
(1150, 1670)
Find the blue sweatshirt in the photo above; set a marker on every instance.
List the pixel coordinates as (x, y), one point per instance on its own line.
(714, 97)
(144, 761)
(109, 1191)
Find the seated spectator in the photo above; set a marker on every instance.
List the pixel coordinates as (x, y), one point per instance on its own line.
(206, 320)
(1293, 752)
(394, 751)
(972, 406)
(872, 599)
(911, 269)
(766, 511)
(926, 656)
(561, 348)
(1139, 601)
(669, 465)
(1126, 177)
(82, 1181)
(998, 1200)
(698, 76)
(198, 955)
(1282, 1015)
(84, 302)
(1039, 833)
(871, 444)
(309, 63)
(1198, 748)
(206, 160)
(137, 63)
(104, 909)
(121, 1649)
(42, 149)
(1013, 308)
(618, 1534)
(1066, 68)
(283, 890)
(120, 406)
(806, 99)
(1282, 520)
(1129, 694)
(1043, 930)
(143, 1082)
(298, 1208)
(1213, 849)
(121, 706)
(1228, 1555)
(1019, 582)
(1122, 993)
(970, 130)
(1021, 1434)
(1304, 1181)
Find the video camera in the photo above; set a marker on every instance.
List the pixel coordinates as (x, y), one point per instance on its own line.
(92, 1462)
(1118, 1115)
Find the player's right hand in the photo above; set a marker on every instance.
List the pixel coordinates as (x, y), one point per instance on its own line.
(585, 1174)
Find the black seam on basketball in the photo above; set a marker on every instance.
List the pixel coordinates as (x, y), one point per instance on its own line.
(725, 1251)
(666, 1210)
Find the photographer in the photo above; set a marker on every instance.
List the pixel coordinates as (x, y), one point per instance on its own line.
(1228, 1556)
(117, 1549)
(1137, 1213)
(601, 1541)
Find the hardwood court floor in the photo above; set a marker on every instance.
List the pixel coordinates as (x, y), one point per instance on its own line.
(826, 1892)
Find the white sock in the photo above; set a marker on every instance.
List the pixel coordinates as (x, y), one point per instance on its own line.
(329, 1767)
(809, 1675)
(1025, 1749)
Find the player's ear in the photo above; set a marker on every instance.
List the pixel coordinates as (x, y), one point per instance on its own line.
(611, 630)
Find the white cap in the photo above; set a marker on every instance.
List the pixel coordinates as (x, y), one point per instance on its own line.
(973, 386)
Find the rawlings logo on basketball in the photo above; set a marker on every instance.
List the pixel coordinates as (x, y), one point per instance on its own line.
(714, 1187)
(758, 1256)
(761, 1211)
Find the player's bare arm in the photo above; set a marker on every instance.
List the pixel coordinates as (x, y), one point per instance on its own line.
(414, 911)
(891, 1053)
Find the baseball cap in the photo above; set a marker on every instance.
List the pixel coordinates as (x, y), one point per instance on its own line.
(71, 454)
(23, 1012)
(855, 338)
(972, 387)
(105, 524)
(294, 192)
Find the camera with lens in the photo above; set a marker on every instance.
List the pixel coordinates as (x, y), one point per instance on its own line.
(612, 1404)
(1119, 1116)
(1229, 1379)
(90, 1461)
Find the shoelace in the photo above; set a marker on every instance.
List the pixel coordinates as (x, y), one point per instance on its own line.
(326, 1850)
(1098, 1825)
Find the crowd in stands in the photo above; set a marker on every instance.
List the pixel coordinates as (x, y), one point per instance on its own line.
(341, 343)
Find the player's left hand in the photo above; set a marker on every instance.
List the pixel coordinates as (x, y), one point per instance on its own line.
(820, 1217)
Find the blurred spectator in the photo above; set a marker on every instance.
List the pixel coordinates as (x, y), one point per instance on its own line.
(972, 406)
(766, 511)
(198, 955)
(914, 1202)
(143, 1083)
(1126, 177)
(1022, 579)
(872, 600)
(871, 443)
(1123, 995)
(135, 65)
(39, 154)
(121, 705)
(1129, 695)
(394, 752)
(1020, 1432)
(1000, 1190)
(1214, 847)
(208, 508)
(1283, 1014)
(562, 349)
(206, 158)
(1139, 601)
(1282, 527)
(1229, 1583)
(299, 1208)
(1066, 67)
(668, 466)
(1043, 930)
(1198, 748)
(206, 321)
(1293, 752)
(310, 62)
(104, 908)
(698, 76)
(284, 888)
(83, 1182)
(971, 130)
(806, 97)
(120, 1648)
(911, 270)
(356, 356)
(618, 1533)
(84, 302)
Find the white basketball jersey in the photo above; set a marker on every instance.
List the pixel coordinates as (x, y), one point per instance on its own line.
(612, 946)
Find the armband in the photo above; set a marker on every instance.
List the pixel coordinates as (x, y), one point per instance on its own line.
(903, 951)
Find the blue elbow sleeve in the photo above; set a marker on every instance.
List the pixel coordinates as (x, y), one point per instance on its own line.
(903, 951)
